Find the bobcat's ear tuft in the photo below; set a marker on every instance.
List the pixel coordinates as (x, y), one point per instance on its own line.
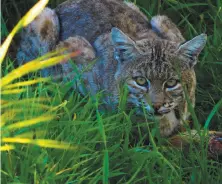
(193, 47)
(123, 45)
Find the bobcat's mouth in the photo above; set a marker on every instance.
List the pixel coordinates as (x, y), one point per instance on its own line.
(161, 112)
(158, 113)
(152, 112)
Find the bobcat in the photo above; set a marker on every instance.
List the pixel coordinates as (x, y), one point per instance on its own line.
(151, 59)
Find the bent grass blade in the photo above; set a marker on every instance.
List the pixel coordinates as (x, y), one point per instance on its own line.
(28, 123)
(7, 147)
(27, 83)
(34, 66)
(41, 142)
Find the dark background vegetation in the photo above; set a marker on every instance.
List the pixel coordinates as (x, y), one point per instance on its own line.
(115, 159)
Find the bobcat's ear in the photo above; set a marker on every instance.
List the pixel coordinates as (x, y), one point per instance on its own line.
(123, 45)
(192, 48)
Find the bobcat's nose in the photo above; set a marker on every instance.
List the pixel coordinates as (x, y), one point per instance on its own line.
(157, 106)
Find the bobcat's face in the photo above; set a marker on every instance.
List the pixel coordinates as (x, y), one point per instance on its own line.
(153, 81)
(157, 96)
(152, 71)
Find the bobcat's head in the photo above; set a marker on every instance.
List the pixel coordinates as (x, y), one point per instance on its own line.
(156, 71)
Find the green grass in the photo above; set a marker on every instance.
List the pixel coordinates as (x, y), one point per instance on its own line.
(105, 152)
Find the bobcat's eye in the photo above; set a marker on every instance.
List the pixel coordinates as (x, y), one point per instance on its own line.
(141, 81)
(171, 83)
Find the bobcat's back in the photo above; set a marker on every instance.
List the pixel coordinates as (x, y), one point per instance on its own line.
(91, 18)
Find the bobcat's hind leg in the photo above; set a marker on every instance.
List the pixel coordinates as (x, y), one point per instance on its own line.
(39, 37)
(80, 44)
(85, 55)
(166, 29)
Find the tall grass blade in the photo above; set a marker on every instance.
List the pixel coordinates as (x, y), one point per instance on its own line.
(34, 66)
(42, 143)
(12, 91)
(30, 122)
(7, 147)
(106, 167)
(27, 83)
(212, 113)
